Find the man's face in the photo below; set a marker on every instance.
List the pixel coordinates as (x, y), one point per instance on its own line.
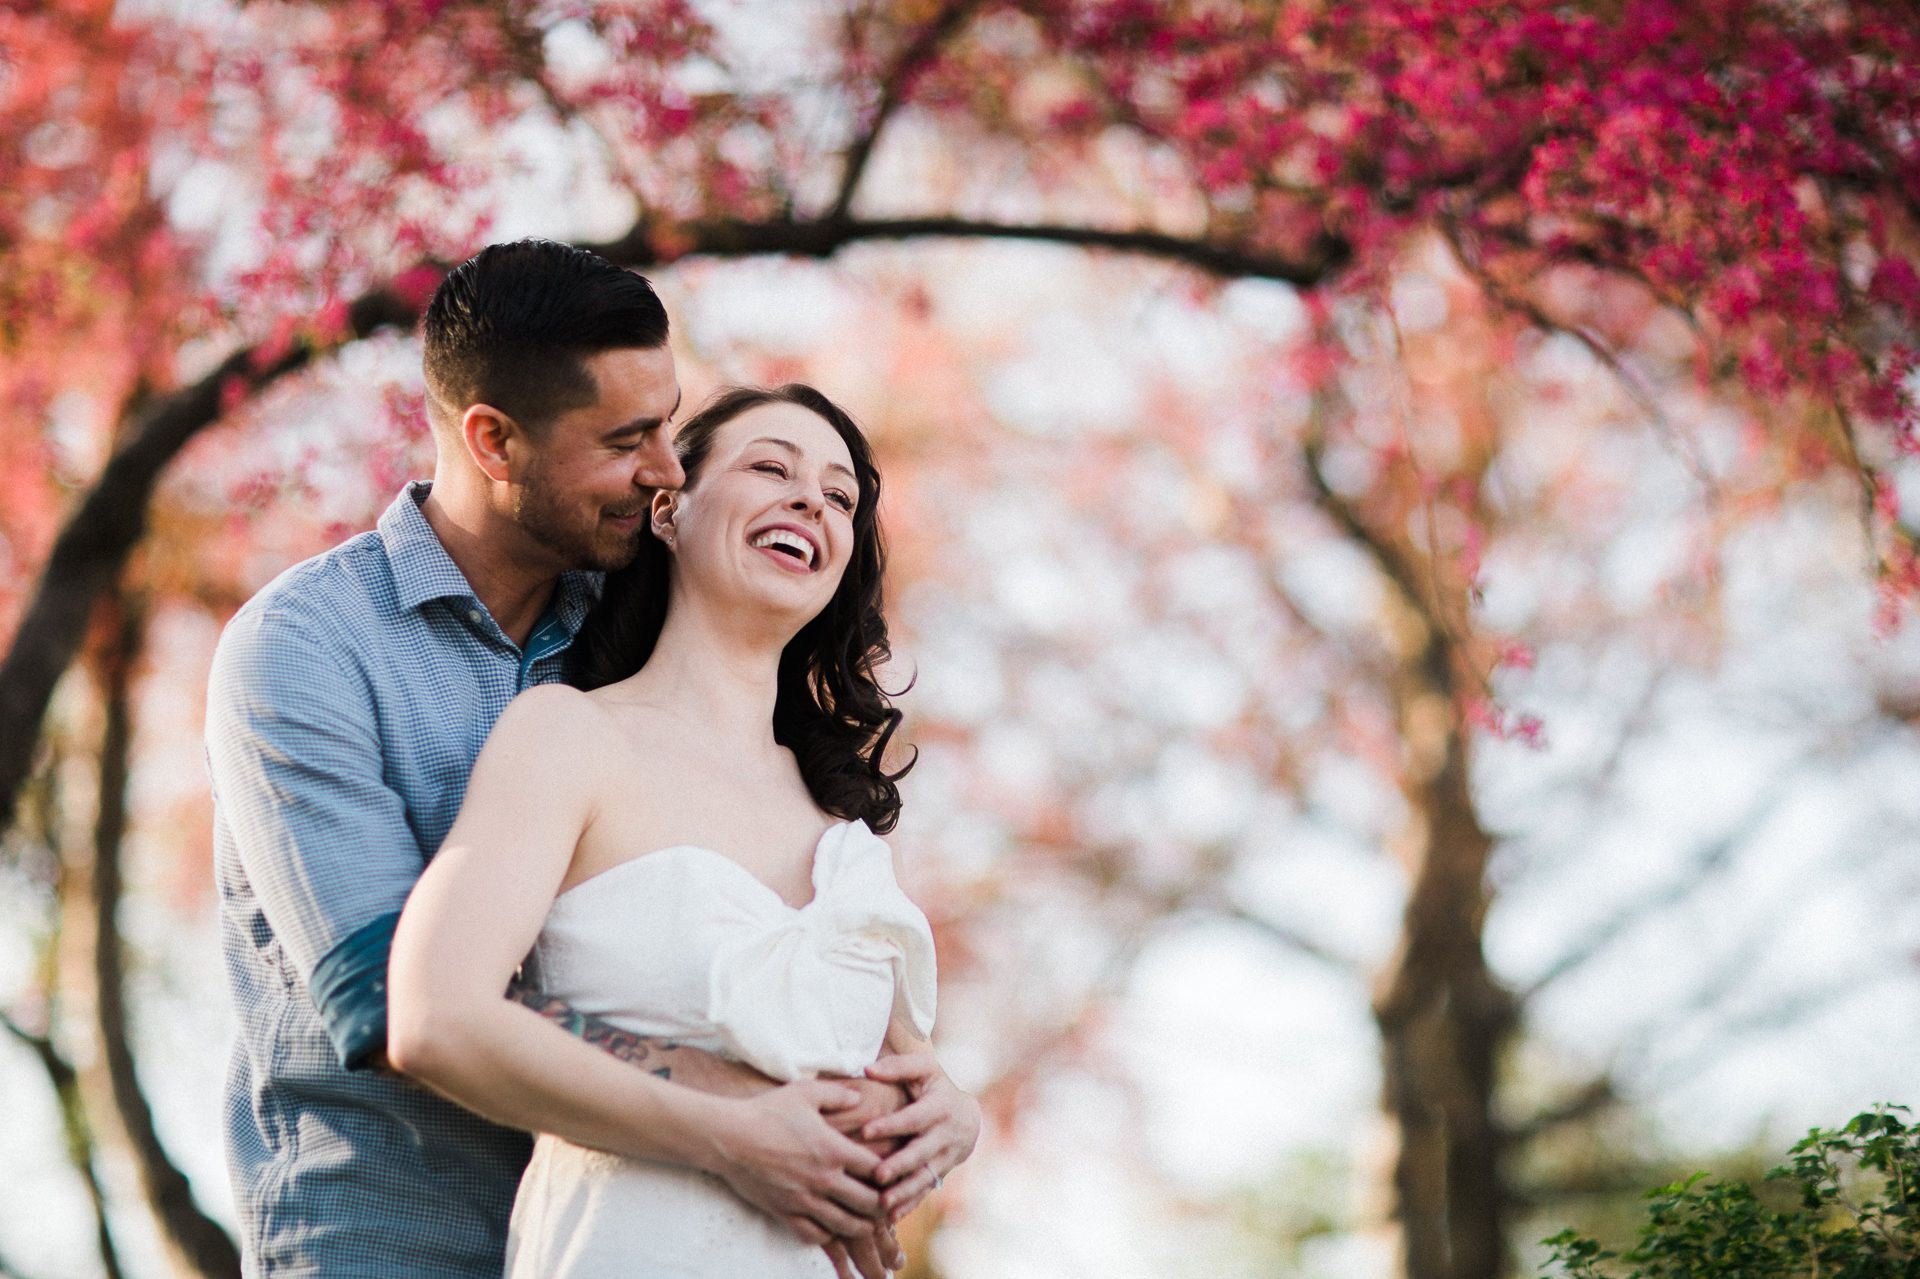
(584, 490)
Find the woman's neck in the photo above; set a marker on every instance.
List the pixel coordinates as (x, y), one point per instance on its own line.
(714, 678)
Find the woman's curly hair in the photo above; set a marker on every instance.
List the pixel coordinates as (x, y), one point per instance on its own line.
(829, 710)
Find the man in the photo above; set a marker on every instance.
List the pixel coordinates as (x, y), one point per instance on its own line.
(347, 703)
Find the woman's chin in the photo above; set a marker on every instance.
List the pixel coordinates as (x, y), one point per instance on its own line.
(777, 608)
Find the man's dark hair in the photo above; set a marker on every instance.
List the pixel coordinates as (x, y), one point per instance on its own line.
(510, 326)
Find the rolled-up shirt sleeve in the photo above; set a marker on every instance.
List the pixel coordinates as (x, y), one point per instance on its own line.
(295, 756)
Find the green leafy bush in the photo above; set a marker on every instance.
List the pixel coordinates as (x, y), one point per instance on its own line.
(1845, 1205)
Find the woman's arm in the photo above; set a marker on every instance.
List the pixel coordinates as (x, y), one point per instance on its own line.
(476, 913)
(658, 1056)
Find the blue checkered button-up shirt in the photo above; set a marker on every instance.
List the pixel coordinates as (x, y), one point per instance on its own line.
(347, 703)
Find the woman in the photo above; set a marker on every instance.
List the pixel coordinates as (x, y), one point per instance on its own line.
(689, 844)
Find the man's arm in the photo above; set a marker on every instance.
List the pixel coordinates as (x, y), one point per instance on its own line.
(295, 759)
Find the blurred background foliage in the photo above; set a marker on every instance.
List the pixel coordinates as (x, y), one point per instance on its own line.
(1403, 533)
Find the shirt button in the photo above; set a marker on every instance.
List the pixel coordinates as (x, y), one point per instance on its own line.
(473, 615)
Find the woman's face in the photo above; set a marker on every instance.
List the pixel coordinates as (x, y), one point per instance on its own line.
(768, 523)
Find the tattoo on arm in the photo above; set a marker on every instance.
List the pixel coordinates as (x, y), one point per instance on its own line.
(638, 1050)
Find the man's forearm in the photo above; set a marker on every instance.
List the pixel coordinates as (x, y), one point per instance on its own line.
(676, 1062)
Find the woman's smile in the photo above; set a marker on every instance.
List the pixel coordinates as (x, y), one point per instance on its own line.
(795, 549)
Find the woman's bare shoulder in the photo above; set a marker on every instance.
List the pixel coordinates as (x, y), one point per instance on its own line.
(552, 714)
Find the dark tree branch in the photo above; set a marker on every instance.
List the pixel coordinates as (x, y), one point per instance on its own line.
(79, 1138)
(1293, 939)
(1401, 570)
(1626, 1180)
(650, 244)
(1525, 307)
(1596, 1095)
(1734, 972)
(110, 520)
(1706, 861)
(894, 89)
(1813, 997)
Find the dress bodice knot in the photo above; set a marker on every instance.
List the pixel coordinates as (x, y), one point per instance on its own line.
(811, 991)
(687, 943)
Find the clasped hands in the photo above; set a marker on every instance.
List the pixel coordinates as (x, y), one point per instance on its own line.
(887, 1140)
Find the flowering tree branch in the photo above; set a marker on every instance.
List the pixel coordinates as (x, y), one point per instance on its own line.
(110, 520)
(894, 88)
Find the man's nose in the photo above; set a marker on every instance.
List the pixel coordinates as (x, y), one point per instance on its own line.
(660, 465)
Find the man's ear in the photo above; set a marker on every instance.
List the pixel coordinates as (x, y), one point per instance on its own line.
(666, 503)
(487, 432)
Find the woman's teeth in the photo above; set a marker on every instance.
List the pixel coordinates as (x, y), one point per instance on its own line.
(780, 538)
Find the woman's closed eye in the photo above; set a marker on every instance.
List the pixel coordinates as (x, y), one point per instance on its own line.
(839, 497)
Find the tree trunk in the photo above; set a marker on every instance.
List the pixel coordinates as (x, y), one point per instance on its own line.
(1443, 1019)
(111, 518)
(196, 1244)
(81, 1149)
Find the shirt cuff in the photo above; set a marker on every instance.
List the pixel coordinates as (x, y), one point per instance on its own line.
(349, 987)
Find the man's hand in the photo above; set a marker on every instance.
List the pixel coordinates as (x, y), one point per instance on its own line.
(782, 1155)
(875, 1255)
(942, 1123)
(877, 1098)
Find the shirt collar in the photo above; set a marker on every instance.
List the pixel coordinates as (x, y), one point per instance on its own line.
(423, 571)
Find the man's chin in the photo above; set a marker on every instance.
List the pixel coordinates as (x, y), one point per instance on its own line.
(612, 554)
(601, 551)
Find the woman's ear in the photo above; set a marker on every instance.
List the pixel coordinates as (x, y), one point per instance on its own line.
(666, 506)
(486, 432)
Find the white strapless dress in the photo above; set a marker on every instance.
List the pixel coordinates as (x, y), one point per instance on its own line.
(687, 944)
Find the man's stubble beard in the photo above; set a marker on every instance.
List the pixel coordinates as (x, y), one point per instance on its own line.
(571, 530)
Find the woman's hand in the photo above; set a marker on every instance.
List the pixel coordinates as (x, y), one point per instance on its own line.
(780, 1153)
(943, 1124)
